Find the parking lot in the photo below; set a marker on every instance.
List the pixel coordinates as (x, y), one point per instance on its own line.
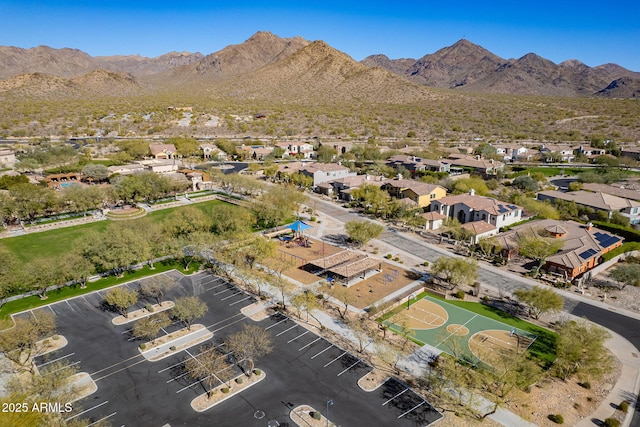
(302, 369)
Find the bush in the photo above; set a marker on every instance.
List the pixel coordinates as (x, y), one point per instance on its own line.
(396, 259)
(149, 308)
(172, 348)
(585, 384)
(239, 380)
(425, 264)
(611, 422)
(388, 256)
(257, 371)
(316, 415)
(143, 346)
(460, 294)
(624, 406)
(556, 418)
(225, 389)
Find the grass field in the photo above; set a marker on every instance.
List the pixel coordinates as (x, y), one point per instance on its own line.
(62, 240)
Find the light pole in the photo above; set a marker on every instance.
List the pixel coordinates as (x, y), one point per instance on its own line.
(329, 403)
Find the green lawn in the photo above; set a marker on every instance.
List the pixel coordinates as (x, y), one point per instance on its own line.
(59, 241)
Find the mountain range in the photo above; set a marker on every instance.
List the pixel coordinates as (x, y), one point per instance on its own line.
(295, 70)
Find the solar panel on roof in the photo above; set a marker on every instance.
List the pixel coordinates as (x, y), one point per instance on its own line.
(588, 253)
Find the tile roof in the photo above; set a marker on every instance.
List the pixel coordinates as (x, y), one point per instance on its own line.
(480, 203)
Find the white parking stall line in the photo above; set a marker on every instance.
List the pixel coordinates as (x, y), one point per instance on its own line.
(72, 309)
(177, 378)
(286, 330)
(293, 339)
(349, 367)
(415, 407)
(238, 302)
(87, 410)
(101, 419)
(55, 360)
(316, 340)
(209, 280)
(329, 363)
(318, 354)
(222, 292)
(231, 296)
(216, 286)
(275, 324)
(402, 392)
(190, 385)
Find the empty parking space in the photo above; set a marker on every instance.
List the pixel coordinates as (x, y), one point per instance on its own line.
(303, 368)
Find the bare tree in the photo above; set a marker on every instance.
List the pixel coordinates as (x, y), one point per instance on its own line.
(157, 286)
(250, 343)
(148, 327)
(208, 366)
(20, 344)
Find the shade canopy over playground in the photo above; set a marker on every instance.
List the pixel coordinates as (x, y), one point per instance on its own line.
(299, 226)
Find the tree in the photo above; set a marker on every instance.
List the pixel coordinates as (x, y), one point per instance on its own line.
(95, 172)
(581, 350)
(538, 248)
(626, 274)
(121, 298)
(189, 219)
(188, 309)
(157, 286)
(148, 327)
(20, 343)
(229, 220)
(343, 295)
(115, 250)
(457, 271)
(250, 343)
(525, 183)
(208, 366)
(539, 300)
(10, 272)
(42, 273)
(360, 232)
(308, 302)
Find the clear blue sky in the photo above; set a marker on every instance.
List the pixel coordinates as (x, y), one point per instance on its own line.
(595, 32)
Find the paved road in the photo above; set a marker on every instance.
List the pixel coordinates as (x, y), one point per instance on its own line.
(626, 326)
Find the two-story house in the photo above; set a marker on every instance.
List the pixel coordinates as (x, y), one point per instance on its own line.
(469, 208)
(598, 201)
(299, 149)
(422, 194)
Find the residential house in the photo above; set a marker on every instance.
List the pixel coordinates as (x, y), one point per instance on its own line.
(469, 208)
(159, 166)
(211, 151)
(414, 164)
(343, 187)
(298, 149)
(565, 153)
(591, 152)
(341, 147)
(633, 152)
(597, 201)
(433, 220)
(583, 245)
(163, 151)
(125, 169)
(422, 194)
(479, 230)
(476, 164)
(512, 152)
(320, 172)
(624, 192)
(255, 152)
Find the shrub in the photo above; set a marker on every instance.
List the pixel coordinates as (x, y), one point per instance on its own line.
(257, 371)
(388, 256)
(172, 348)
(143, 346)
(585, 384)
(624, 406)
(313, 219)
(425, 264)
(460, 294)
(396, 259)
(316, 415)
(611, 422)
(149, 308)
(225, 389)
(239, 380)
(556, 418)
(55, 337)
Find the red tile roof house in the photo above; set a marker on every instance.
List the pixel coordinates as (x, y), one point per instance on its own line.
(583, 246)
(598, 201)
(320, 172)
(470, 208)
(163, 151)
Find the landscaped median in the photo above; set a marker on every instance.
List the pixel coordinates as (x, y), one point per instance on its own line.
(174, 342)
(306, 416)
(224, 392)
(143, 312)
